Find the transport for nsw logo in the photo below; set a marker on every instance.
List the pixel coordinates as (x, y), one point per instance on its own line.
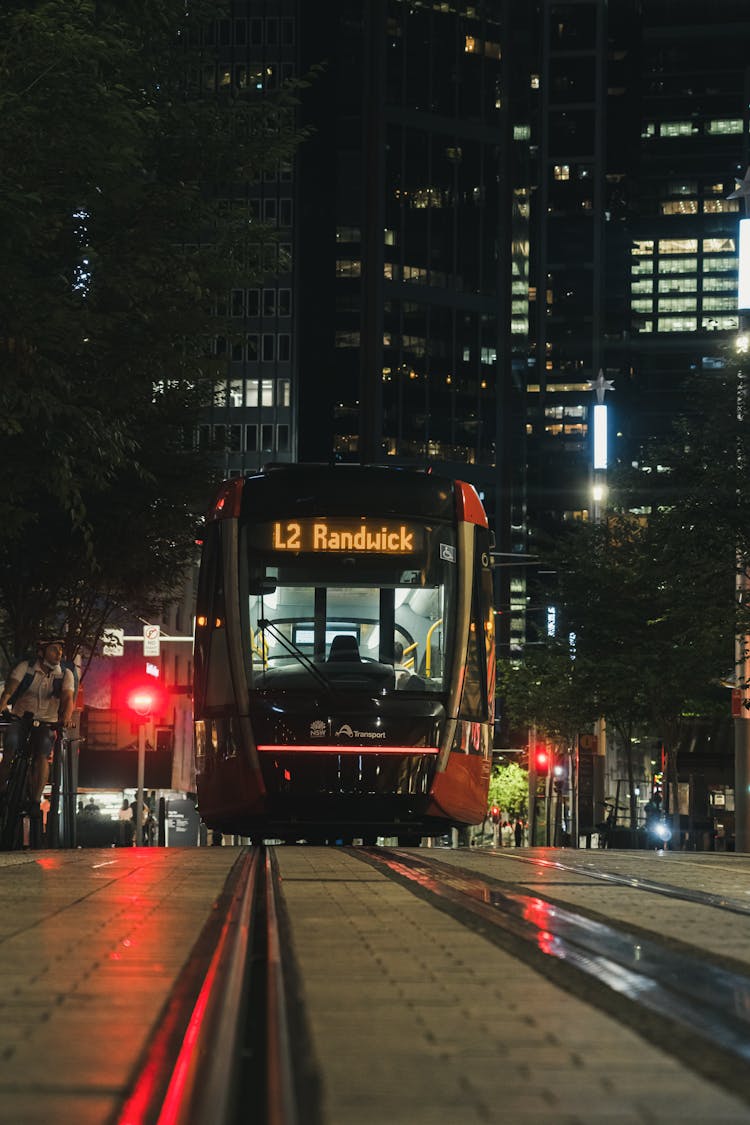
(318, 729)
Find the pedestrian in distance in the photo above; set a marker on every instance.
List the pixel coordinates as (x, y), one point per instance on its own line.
(506, 834)
(46, 690)
(125, 824)
(518, 833)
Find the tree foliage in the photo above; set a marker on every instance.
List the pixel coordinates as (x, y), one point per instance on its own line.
(116, 254)
(649, 594)
(509, 789)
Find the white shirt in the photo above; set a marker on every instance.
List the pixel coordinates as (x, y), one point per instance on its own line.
(38, 697)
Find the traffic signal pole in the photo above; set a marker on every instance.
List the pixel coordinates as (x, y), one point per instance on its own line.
(139, 787)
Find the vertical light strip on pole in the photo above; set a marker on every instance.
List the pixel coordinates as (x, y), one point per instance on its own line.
(600, 436)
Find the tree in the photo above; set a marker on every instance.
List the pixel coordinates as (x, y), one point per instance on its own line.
(509, 789)
(119, 156)
(649, 594)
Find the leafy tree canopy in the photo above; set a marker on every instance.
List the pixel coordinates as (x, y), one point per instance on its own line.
(119, 157)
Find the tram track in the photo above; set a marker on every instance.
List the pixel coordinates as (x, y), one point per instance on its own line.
(696, 1010)
(223, 1048)
(651, 886)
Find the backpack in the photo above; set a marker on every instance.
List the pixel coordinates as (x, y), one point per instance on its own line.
(57, 683)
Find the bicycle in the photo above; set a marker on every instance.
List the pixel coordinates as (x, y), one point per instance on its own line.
(16, 800)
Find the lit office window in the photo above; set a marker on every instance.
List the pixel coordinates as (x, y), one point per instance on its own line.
(284, 388)
(678, 265)
(682, 187)
(642, 306)
(252, 389)
(677, 304)
(677, 129)
(678, 245)
(643, 285)
(719, 265)
(642, 265)
(720, 206)
(347, 267)
(721, 304)
(236, 392)
(676, 324)
(719, 285)
(562, 171)
(718, 245)
(642, 246)
(720, 126)
(679, 207)
(266, 392)
(678, 284)
(720, 323)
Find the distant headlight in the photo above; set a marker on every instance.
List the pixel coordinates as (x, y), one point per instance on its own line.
(663, 831)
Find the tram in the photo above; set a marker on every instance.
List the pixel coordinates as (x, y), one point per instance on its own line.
(344, 655)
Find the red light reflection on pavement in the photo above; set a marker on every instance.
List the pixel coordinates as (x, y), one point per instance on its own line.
(49, 863)
(539, 913)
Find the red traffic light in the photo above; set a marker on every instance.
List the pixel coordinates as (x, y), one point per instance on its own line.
(495, 814)
(541, 759)
(143, 699)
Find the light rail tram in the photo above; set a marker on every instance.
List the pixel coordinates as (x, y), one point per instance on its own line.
(344, 655)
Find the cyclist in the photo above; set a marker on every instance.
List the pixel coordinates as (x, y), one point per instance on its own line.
(47, 691)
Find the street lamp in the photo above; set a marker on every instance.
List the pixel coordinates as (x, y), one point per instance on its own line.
(599, 494)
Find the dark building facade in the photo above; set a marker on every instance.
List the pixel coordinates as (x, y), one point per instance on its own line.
(495, 203)
(639, 129)
(393, 324)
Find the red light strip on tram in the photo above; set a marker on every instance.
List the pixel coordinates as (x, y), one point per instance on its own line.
(296, 748)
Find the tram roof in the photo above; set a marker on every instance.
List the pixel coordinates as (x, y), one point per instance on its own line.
(311, 488)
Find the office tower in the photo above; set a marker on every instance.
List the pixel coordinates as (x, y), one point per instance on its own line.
(640, 128)
(397, 331)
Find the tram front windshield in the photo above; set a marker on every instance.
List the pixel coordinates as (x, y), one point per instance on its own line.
(332, 611)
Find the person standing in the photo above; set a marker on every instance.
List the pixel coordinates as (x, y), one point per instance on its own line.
(518, 832)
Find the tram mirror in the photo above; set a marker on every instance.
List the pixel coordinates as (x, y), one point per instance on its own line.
(263, 586)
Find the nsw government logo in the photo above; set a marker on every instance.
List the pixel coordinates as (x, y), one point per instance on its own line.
(317, 729)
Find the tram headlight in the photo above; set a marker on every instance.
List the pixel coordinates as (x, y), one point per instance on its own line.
(662, 831)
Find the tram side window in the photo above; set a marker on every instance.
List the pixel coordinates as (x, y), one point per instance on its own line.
(212, 654)
(474, 699)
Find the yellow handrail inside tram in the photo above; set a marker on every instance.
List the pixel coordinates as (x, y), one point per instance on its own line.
(428, 646)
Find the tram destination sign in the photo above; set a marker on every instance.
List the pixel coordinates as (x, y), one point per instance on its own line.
(319, 536)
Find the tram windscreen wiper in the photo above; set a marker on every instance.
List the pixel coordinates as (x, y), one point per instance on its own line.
(293, 650)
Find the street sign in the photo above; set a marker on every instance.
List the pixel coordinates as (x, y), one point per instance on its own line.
(151, 635)
(113, 642)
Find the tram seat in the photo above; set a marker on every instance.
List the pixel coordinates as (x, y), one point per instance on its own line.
(344, 647)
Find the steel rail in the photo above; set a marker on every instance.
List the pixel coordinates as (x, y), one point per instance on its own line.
(676, 988)
(701, 898)
(195, 1068)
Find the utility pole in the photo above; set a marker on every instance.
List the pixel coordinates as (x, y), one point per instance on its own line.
(741, 694)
